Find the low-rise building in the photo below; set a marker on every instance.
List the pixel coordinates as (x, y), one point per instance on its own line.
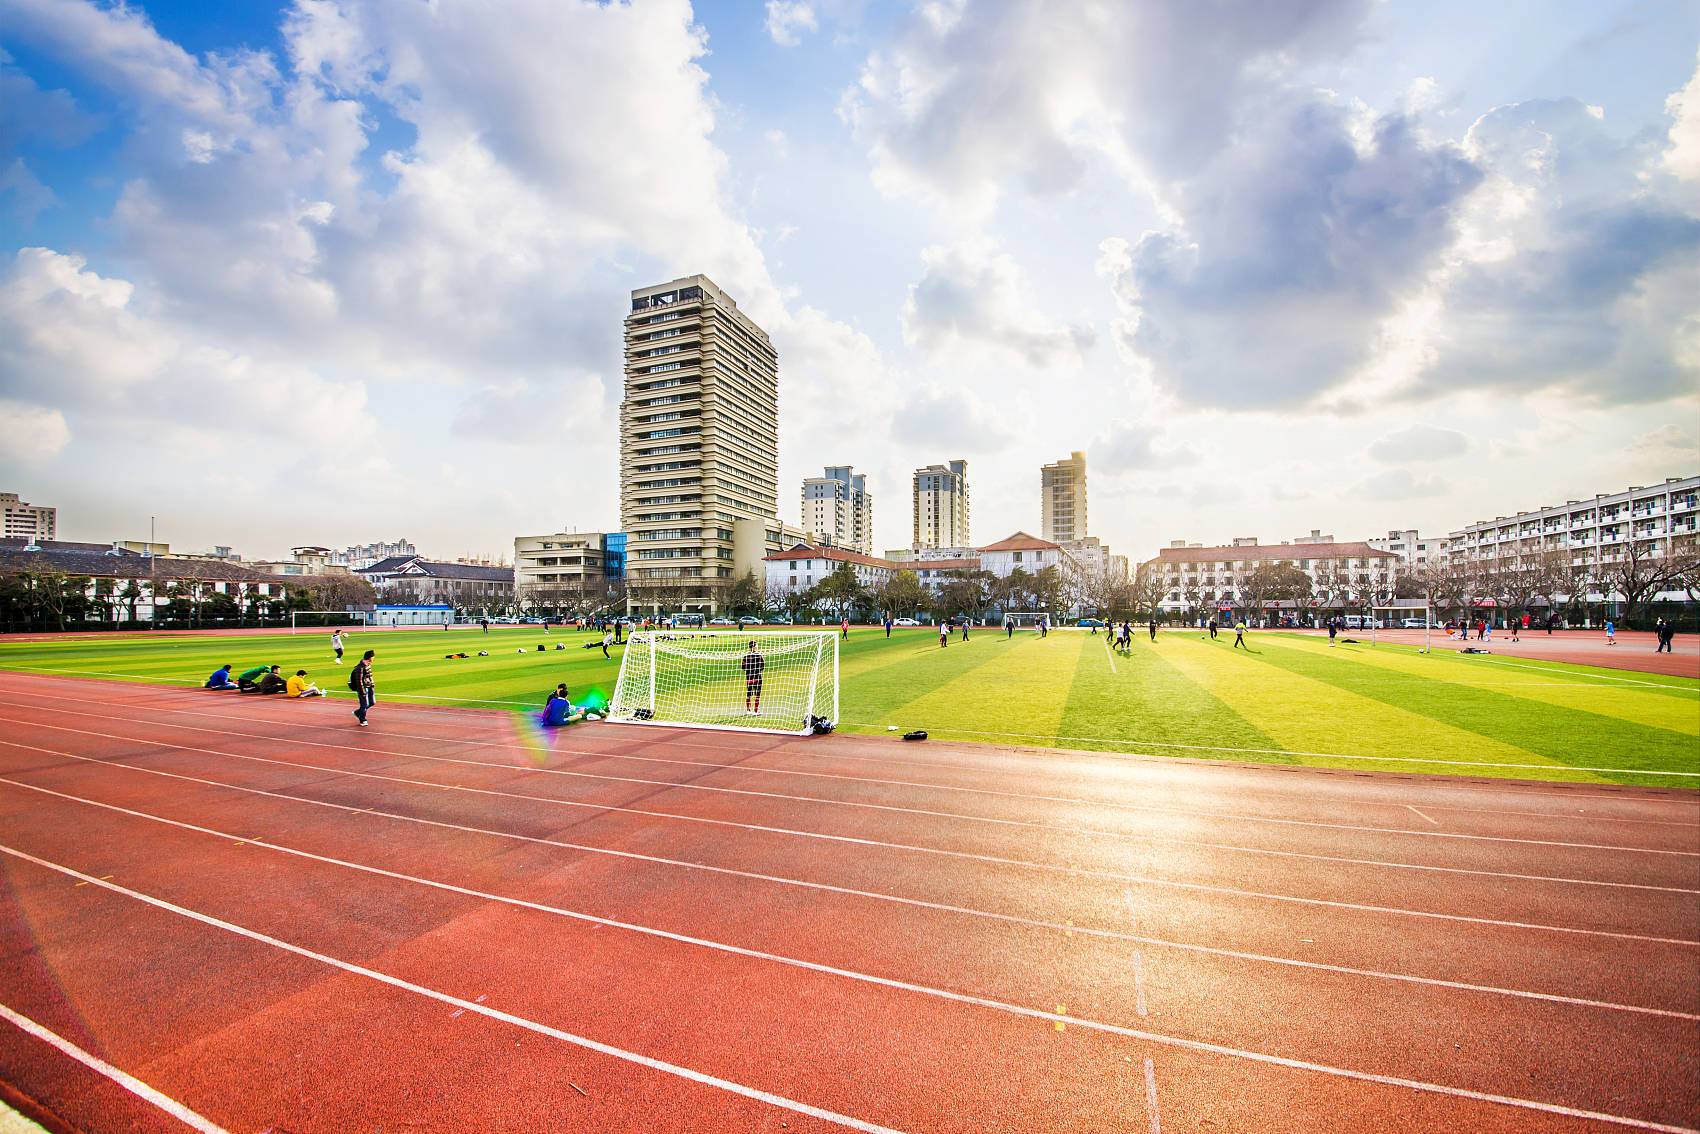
(803, 566)
(414, 581)
(130, 587)
(1028, 552)
(308, 559)
(568, 570)
(1194, 577)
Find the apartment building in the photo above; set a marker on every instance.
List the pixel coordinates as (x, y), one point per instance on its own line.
(1196, 577)
(565, 569)
(1659, 520)
(1412, 549)
(839, 509)
(699, 445)
(941, 506)
(366, 554)
(1062, 499)
(29, 522)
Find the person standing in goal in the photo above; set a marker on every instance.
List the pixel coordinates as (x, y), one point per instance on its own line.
(753, 664)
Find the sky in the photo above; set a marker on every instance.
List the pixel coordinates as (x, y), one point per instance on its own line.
(328, 272)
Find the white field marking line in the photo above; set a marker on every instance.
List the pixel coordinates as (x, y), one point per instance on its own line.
(101, 1067)
(1151, 1096)
(1131, 744)
(467, 1005)
(825, 887)
(956, 815)
(1523, 814)
(155, 679)
(845, 1120)
(1110, 654)
(1593, 676)
(1436, 822)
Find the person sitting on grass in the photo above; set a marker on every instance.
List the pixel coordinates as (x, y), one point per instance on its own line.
(299, 686)
(269, 682)
(249, 677)
(220, 678)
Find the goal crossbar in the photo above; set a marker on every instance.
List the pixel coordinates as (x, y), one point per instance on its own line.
(770, 681)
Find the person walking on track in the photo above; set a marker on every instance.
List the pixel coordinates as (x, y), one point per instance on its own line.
(360, 680)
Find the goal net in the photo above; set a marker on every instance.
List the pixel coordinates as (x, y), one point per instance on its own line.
(784, 681)
(1402, 614)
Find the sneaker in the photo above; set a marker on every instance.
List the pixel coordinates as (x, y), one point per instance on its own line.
(362, 724)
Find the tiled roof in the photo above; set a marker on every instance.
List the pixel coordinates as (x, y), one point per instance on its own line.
(836, 554)
(940, 565)
(432, 569)
(1271, 553)
(98, 564)
(20, 543)
(1021, 541)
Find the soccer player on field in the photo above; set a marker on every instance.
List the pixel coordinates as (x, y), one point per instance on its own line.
(753, 663)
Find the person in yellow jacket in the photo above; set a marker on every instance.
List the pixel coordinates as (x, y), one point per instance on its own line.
(299, 686)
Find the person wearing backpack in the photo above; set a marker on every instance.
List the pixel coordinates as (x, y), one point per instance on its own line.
(360, 681)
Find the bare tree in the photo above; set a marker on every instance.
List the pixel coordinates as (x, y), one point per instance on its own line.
(1637, 574)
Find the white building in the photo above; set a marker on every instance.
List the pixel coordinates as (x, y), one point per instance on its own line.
(1029, 553)
(839, 509)
(1412, 549)
(29, 522)
(941, 506)
(1594, 533)
(1195, 577)
(1062, 499)
(366, 554)
(803, 566)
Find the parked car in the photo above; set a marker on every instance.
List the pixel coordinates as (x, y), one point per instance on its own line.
(721, 622)
(1088, 622)
(749, 620)
(904, 622)
(1415, 624)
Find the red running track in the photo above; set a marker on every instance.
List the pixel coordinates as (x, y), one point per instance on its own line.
(272, 920)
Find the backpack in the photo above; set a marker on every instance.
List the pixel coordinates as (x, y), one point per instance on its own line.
(354, 679)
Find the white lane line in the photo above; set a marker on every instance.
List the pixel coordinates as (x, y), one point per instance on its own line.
(825, 888)
(466, 1005)
(1436, 822)
(101, 1067)
(1589, 676)
(1134, 744)
(1151, 1096)
(1139, 982)
(1110, 654)
(804, 1108)
(741, 766)
(605, 809)
(927, 812)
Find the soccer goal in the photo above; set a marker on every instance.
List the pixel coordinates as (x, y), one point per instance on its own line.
(321, 620)
(776, 681)
(1396, 616)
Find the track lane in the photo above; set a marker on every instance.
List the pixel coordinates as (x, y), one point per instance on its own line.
(1224, 1006)
(1642, 973)
(518, 956)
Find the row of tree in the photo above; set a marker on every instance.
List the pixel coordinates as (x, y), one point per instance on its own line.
(57, 600)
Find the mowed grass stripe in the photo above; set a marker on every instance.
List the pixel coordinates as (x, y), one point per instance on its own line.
(1651, 707)
(871, 699)
(1565, 735)
(1148, 699)
(1305, 713)
(1022, 686)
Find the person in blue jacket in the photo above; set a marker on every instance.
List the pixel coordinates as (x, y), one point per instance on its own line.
(220, 678)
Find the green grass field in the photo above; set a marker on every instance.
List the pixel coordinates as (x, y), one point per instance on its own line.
(1292, 700)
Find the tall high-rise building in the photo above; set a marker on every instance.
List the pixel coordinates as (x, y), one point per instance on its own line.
(941, 506)
(22, 520)
(699, 445)
(838, 508)
(1062, 499)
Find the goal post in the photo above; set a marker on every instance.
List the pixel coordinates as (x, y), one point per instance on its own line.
(1398, 612)
(322, 620)
(772, 681)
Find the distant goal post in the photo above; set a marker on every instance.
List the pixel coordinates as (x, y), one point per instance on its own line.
(1395, 615)
(772, 681)
(300, 620)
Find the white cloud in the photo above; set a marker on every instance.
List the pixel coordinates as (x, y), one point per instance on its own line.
(1420, 443)
(973, 297)
(1682, 158)
(787, 20)
(31, 433)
